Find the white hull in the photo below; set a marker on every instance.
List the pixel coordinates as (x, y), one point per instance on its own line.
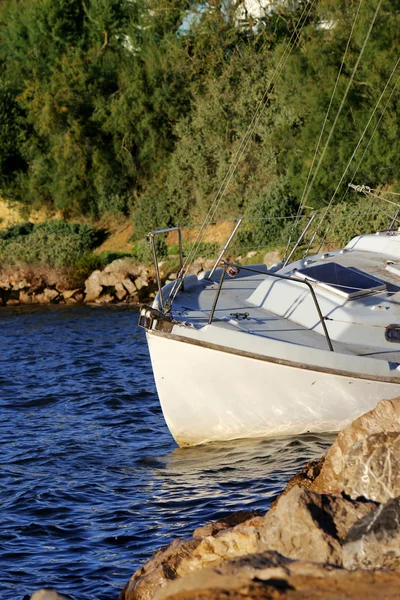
(208, 394)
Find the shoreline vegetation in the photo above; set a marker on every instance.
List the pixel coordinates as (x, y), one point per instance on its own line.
(57, 261)
(333, 532)
(139, 109)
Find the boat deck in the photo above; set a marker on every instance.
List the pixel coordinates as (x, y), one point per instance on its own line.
(233, 308)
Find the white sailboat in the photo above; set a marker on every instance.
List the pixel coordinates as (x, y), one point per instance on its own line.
(306, 347)
(303, 346)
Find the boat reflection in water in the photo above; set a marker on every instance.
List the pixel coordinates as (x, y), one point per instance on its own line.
(199, 484)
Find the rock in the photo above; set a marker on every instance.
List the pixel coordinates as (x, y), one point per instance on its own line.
(251, 254)
(110, 279)
(384, 417)
(93, 288)
(105, 299)
(124, 265)
(13, 302)
(25, 297)
(120, 291)
(305, 478)
(374, 542)
(309, 526)
(73, 296)
(129, 285)
(47, 296)
(181, 557)
(21, 284)
(270, 576)
(141, 282)
(230, 521)
(48, 594)
(303, 525)
(372, 469)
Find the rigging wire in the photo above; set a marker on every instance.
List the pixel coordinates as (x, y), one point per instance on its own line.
(350, 82)
(366, 148)
(360, 140)
(302, 201)
(247, 136)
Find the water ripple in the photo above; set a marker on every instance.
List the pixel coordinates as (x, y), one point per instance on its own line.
(91, 482)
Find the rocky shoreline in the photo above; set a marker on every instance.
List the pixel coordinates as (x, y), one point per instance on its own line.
(121, 281)
(332, 534)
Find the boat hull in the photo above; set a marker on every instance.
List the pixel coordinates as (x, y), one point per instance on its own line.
(208, 394)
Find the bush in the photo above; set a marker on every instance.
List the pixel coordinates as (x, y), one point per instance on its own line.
(265, 226)
(144, 253)
(53, 243)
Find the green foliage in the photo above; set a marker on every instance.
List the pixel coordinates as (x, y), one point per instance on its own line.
(143, 251)
(114, 106)
(266, 224)
(53, 243)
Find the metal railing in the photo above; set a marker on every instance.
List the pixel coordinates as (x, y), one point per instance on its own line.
(151, 240)
(226, 265)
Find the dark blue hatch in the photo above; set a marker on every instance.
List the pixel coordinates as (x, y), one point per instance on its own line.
(346, 281)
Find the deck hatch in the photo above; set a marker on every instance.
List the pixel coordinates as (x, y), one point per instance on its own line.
(347, 282)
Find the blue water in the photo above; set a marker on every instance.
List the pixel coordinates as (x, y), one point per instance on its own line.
(91, 482)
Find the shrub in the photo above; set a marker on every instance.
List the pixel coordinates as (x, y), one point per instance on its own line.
(144, 253)
(53, 243)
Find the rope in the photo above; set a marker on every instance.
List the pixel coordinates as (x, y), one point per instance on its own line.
(360, 324)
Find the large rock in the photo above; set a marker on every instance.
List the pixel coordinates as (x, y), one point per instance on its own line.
(271, 576)
(93, 288)
(384, 418)
(309, 526)
(124, 266)
(182, 557)
(372, 469)
(48, 296)
(374, 542)
(303, 525)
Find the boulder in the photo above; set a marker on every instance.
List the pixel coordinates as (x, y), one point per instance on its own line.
(181, 557)
(73, 296)
(105, 299)
(21, 284)
(48, 296)
(93, 288)
(384, 417)
(25, 297)
(120, 291)
(111, 279)
(48, 594)
(303, 525)
(372, 469)
(374, 542)
(127, 266)
(309, 526)
(271, 576)
(141, 282)
(129, 286)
